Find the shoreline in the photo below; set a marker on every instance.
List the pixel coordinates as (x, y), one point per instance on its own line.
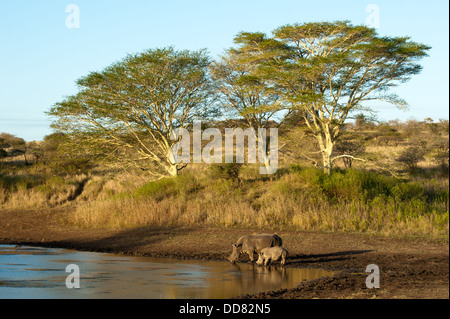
(409, 268)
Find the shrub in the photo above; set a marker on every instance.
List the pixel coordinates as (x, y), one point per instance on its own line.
(157, 189)
(411, 156)
(19, 182)
(407, 191)
(228, 171)
(180, 186)
(442, 159)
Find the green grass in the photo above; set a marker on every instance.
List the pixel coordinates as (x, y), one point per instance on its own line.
(181, 186)
(298, 198)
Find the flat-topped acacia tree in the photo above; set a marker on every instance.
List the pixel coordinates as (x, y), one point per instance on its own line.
(244, 96)
(136, 104)
(328, 69)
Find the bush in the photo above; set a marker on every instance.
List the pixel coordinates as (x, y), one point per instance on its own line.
(157, 189)
(356, 185)
(407, 191)
(180, 186)
(229, 171)
(442, 159)
(75, 166)
(353, 185)
(411, 156)
(19, 182)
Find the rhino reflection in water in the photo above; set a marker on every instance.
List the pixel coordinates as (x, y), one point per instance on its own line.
(252, 244)
(264, 277)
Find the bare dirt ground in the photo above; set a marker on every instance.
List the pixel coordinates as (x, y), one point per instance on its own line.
(409, 268)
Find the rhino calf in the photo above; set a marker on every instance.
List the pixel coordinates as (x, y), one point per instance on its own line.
(251, 244)
(272, 253)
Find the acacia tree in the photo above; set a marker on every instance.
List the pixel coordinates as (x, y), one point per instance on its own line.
(18, 145)
(245, 96)
(328, 70)
(136, 104)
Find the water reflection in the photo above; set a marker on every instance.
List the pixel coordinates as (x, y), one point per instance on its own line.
(32, 272)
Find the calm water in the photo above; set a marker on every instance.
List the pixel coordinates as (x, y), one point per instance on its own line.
(33, 272)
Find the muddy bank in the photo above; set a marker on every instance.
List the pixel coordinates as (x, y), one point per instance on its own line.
(409, 268)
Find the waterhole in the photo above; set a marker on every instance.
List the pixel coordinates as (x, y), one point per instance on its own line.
(35, 272)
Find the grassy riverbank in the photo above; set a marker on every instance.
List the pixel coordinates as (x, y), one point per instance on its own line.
(296, 198)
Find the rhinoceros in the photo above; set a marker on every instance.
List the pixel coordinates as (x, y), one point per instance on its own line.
(251, 244)
(272, 253)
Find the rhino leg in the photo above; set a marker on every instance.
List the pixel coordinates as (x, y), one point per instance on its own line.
(283, 257)
(250, 255)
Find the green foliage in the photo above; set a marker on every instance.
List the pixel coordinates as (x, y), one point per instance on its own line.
(349, 145)
(76, 166)
(327, 69)
(136, 104)
(407, 191)
(228, 171)
(10, 140)
(12, 183)
(363, 186)
(386, 134)
(158, 189)
(411, 156)
(442, 158)
(181, 186)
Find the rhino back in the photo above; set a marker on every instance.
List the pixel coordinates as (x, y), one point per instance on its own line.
(272, 250)
(278, 241)
(260, 241)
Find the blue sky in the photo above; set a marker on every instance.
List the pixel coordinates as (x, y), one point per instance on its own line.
(40, 57)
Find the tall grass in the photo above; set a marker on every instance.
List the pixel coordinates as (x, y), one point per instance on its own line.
(296, 198)
(299, 199)
(32, 191)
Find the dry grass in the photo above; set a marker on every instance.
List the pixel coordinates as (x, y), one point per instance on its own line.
(22, 192)
(299, 199)
(294, 201)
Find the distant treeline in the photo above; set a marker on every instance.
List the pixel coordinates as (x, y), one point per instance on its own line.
(415, 142)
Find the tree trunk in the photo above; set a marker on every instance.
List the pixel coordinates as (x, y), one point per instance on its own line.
(268, 151)
(173, 170)
(327, 163)
(326, 145)
(25, 156)
(171, 167)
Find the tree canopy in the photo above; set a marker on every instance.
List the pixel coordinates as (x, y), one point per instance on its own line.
(328, 69)
(136, 104)
(322, 71)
